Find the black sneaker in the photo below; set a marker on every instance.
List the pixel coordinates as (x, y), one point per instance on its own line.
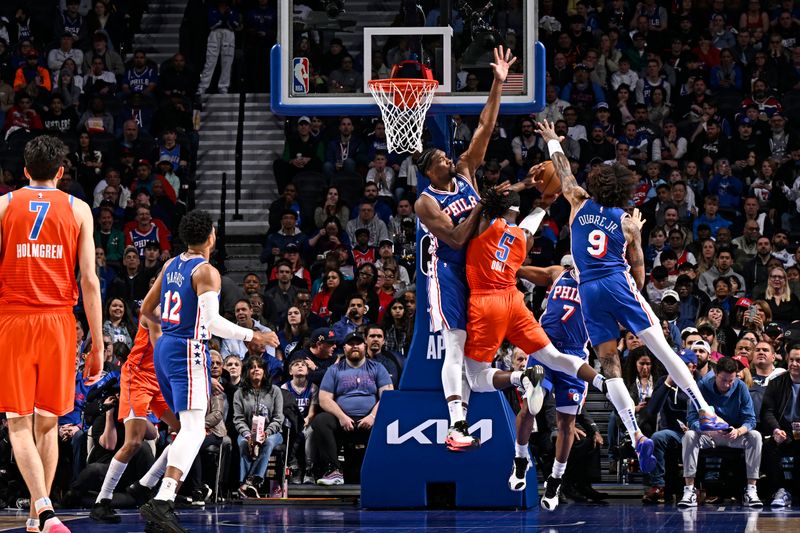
(139, 493)
(163, 514)
(552, 489)
(517, 480)
(103, 512)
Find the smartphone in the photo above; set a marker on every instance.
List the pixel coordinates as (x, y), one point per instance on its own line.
(752, 312)
(683, 426)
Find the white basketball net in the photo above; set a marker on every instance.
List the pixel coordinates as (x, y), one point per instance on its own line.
(403, 104)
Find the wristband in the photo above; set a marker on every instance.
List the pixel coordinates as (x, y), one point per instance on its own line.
(553, 147)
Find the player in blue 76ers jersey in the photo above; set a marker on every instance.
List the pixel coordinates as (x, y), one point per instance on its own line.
(609, 263)
(449, 212)
(563, 323)
(187, 289)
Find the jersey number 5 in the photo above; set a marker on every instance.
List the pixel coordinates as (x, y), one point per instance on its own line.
(503, 246)
(40, 208)
(598, 243)
(172, 314)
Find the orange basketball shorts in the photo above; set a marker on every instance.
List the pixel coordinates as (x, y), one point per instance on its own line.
(139, 394)
(493, 317)
(38, 363)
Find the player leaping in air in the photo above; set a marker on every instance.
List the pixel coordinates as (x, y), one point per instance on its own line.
(449, 210)
(609, 266)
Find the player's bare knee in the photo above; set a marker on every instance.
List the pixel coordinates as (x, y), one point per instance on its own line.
(610, 365)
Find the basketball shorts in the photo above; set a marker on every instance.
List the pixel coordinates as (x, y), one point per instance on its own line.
(182, 369)
(38, 363)
(494, 317)
(611, 301)
(569, 391)
(447, 296)
(139, 394)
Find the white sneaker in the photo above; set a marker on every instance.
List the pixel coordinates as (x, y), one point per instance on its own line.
(750, 498)
(782, 498)
(689, 498)
(552, 490)
(458, 438)
(532, 384)
(517, 480)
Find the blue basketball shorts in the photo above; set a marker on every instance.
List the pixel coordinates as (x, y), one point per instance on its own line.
(182, 369)
(570, 391)
(447, 296)
(610, 301)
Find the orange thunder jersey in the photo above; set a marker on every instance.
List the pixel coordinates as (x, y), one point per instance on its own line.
(39, 252)
(494, 256)
(141, 355)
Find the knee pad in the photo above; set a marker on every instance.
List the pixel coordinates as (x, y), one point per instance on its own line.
(479, 375)
(186, 445)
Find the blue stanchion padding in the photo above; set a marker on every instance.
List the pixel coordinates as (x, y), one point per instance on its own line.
(406, 452)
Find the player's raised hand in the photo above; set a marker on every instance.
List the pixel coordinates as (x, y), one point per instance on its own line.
(93, 363)
(637, 219)
(532, 178)
(503, 59)
(548, 131)
(268, 338)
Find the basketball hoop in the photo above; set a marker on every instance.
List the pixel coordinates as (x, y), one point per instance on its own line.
(404, 103)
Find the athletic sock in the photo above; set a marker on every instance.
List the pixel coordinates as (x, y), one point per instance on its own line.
(521, 450)
(167, 491)
(558, 469)
(456, 411)
(623, 403)
(115, 471)
(516, 378)
(653, 337)
(156, 472)
(598, 381)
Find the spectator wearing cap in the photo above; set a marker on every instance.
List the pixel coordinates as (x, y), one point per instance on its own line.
(243, 312)
(780, 413)
(66, 50)
(669, 310)
(702, 349)
(31, 76)
(146, 228)
(288, 233)
(100, 49)
(361, 249)
(318, 356)
(301, 153)
(581, 93)
(668, 404)
(731, 400)
(349, 397)
(353, 318)
(223, 21)
(744, 142)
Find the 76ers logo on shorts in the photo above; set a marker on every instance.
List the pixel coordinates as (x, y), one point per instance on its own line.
(300, 75)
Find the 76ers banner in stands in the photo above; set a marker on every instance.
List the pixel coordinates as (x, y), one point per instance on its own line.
(407, 443)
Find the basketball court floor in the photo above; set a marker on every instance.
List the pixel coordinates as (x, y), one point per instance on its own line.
(618, 515)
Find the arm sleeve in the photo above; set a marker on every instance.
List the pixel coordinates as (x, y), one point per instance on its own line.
(216, 324)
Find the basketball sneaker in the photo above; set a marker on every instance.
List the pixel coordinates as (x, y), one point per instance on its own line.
(689, 498)
(163, 514)
(552, 490)
(334, 477)
(750, 498)
(517, 480)
(139, 492)
(781, 499)
(644, 451)
(103, 512)
(711, 422)
(458, 438)
(532, 385)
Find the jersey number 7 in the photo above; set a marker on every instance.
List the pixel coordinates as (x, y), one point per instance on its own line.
(40, 208)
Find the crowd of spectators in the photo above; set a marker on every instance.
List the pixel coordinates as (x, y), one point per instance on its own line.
(699, 99)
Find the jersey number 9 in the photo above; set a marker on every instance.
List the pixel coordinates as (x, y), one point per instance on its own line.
(598, 243)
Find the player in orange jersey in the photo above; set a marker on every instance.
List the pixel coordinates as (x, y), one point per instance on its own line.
(497, 311)
(139, 394)
(44, 233)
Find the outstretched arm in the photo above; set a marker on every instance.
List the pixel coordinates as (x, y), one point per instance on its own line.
(632, 227)
(573, 192)
(473, 156)
(541, 276)
(440, 225)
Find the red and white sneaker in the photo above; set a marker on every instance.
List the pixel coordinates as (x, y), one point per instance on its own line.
(458, 438)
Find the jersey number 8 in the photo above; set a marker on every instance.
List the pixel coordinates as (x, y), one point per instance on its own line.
(598, 243)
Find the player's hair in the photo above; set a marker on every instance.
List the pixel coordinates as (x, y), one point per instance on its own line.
(43, 157)
(496, 204)
(195, 227)
(611, 185)
(425, 159)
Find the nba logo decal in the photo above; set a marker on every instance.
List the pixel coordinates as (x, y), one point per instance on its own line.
(300, 75)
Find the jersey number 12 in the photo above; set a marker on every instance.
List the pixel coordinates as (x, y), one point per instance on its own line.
(172, 307)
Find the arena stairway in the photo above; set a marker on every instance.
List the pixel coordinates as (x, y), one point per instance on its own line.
(159, 34)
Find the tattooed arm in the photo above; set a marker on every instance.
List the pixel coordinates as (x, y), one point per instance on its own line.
(573, 192)
(634, 252)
